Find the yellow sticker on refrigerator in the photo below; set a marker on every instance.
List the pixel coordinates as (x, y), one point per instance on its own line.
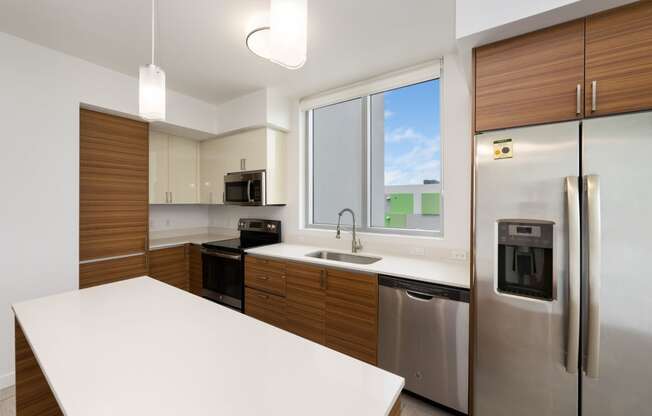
(503, 149)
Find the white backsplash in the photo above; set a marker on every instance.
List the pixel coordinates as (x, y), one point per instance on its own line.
(175, 217)
(227, 216)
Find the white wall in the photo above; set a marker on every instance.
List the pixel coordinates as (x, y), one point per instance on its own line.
(265, 107)
(483, 21)
(40, 94)
(177, 217)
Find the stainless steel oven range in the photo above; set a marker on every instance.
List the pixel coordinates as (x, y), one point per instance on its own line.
(223, 261)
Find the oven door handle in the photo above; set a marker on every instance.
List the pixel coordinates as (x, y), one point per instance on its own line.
(235, 257)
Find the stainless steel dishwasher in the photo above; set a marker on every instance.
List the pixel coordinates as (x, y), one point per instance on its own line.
(424, 337)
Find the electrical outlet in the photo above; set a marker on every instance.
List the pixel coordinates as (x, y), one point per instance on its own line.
(458, 255)
(418, 251)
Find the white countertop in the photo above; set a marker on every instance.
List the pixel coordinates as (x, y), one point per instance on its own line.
(157, 243)
(448, 273)
(141, 347)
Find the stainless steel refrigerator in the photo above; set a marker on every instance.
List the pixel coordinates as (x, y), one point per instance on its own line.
(563, 276)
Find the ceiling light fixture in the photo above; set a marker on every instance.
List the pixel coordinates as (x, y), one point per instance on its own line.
(285, 40)
(151, 83)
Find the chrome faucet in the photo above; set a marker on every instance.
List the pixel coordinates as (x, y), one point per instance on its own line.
(356, 244)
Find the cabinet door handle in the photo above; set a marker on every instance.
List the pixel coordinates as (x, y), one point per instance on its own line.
(578, 101)
(262, 277)
(321, 279)
(594, 96)
(260, 295)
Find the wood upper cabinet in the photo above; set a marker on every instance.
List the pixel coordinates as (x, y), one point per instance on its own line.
(170, 265)
(195, 269)
(352, 314)
(305, 306)
(113, 181)
(619, 60)
(530, 79)
(173, 169)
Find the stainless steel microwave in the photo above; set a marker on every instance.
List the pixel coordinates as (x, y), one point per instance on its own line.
(245, 188)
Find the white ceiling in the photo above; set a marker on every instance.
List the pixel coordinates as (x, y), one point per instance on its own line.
(201, 42)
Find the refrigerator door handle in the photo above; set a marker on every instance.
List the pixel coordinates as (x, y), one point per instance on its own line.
(594, 263)
(574, 273)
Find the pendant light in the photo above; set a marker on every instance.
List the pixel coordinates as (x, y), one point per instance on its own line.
(285, 40)
(151, 83)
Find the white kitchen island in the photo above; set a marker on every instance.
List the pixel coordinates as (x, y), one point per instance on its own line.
(141, 347)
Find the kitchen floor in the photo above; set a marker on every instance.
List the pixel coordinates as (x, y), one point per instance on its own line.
(8, 401)
(410, 406)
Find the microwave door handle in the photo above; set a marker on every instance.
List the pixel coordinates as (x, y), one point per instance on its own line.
(594, 253)
(574, 274)
(249, 191)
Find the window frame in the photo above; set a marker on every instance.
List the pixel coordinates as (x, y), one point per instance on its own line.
(363, 224)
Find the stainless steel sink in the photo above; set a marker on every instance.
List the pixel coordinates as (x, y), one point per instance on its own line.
(343, 257)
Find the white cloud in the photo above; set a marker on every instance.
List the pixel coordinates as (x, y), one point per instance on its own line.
(419, 163)
(389, 114)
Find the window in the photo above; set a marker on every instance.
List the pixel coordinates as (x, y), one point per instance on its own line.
(380, 155)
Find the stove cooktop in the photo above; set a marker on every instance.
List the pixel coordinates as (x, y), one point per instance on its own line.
(253, 233)
(233, 244)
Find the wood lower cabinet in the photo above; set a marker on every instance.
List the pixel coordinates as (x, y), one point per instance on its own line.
(109, 271)
(266, 307)
(170, 265)
(333, 307)
(619, 60)
(530, 79)
(352, 314)
(33, 394)
(195, 269)
(306, 301)
(265, 275)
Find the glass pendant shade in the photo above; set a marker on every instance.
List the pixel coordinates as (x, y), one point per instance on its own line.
(151, 93)
(288, 37)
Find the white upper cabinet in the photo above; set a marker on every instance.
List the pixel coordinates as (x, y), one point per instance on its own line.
(184, 170)
(173, 169)
(259, 149)
(159, 168)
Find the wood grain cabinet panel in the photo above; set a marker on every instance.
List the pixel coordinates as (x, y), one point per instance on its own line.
(33, 394)
(530, 79)
(352, 314)
(195, 269)
(619, 59)
(113, 186)
(306, 301)
(267, 279)
(108, 271)
(170, 265)
(265, 307)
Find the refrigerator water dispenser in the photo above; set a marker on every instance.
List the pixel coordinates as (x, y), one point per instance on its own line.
(525, 258)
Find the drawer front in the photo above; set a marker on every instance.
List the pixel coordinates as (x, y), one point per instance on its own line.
(266, 279)
(265, 264)
(265, 307)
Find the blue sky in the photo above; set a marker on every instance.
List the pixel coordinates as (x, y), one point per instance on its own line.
(412, 134)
